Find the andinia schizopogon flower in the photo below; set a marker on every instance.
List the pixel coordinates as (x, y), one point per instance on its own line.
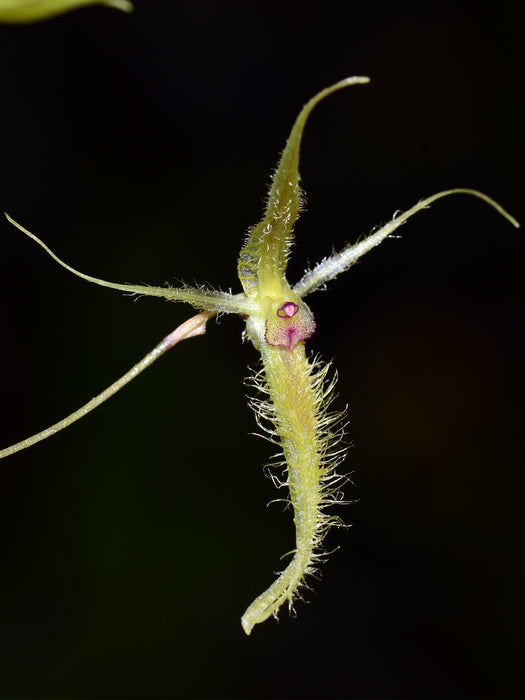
(293, 389)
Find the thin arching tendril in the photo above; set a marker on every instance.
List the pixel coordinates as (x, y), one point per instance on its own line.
(331, 267)
(196, 325)
(208, 299)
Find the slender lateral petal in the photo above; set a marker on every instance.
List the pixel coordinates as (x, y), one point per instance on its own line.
(196, 325)
(329, 268)
(263, 260)
(200, 298)
(21, 11)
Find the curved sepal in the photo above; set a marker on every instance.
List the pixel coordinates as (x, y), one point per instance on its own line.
(20, 11)
(262, 261)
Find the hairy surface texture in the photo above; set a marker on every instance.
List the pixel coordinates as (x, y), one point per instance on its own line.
(293, 411)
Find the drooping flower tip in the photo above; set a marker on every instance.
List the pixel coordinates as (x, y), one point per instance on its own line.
(21, 11)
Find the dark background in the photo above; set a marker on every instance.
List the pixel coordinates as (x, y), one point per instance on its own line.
(139, 147)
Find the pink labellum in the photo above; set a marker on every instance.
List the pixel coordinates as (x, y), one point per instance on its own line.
(289, 325)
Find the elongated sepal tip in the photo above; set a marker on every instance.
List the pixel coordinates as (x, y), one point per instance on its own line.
(123, 5)
(21, 11)
(247, 626)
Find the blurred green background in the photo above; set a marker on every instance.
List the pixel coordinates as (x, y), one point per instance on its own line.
(139, 148)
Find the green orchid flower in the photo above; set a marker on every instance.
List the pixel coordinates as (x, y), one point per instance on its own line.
(294, 389)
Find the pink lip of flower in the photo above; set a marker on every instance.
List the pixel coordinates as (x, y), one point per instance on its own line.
(290, 326)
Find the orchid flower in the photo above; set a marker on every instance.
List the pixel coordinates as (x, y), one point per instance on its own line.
(294, 389)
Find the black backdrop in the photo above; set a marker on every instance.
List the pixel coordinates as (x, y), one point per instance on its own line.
(139, 146)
